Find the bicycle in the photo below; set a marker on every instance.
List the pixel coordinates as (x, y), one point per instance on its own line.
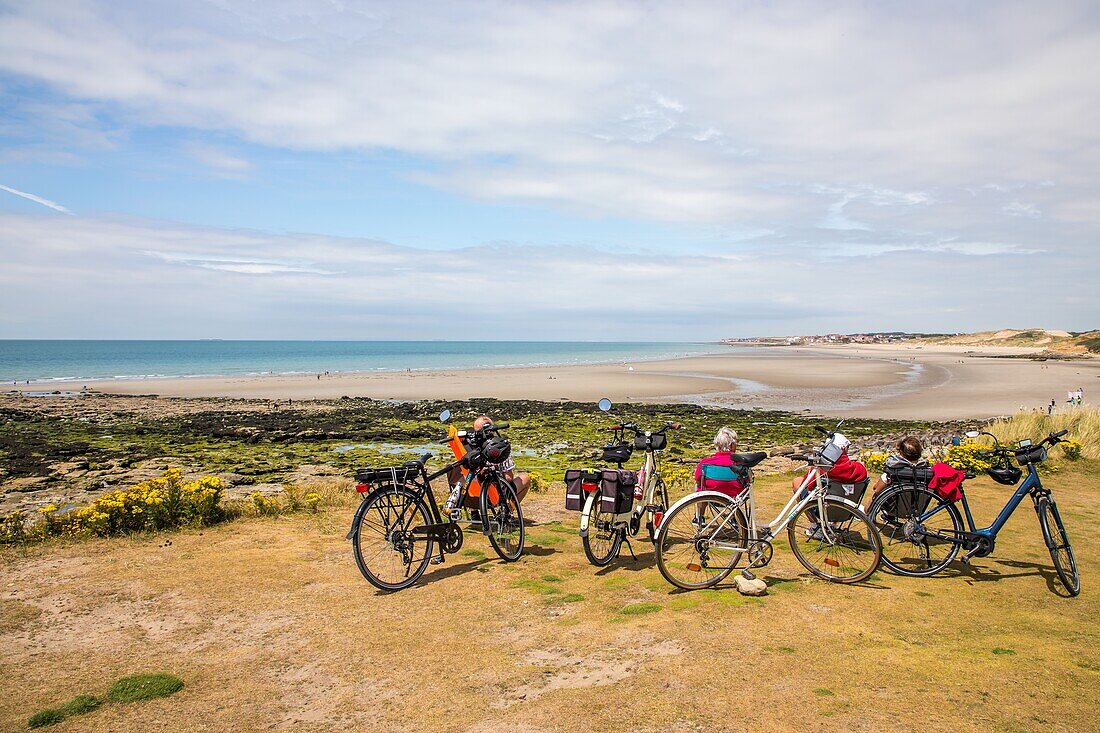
(398, 523)
(604, 523)
(705, 534)
(923, 532)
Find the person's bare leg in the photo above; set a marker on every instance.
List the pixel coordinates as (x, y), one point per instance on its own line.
(522, 483)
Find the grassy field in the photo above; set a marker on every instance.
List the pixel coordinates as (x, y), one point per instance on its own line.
(271, 627)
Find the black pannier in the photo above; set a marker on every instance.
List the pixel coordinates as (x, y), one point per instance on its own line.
(617, 453)
(902, 503)
(387, 475)
(617, 490)
(578, 484)
(653, 441)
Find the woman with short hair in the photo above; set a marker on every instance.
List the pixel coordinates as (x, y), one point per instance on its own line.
(725, 443)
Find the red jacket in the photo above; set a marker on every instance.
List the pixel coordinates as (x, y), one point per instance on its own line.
(947, 481)
(846, 471)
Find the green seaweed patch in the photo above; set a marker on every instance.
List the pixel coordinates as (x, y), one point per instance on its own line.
(639, 609)
(144, 687)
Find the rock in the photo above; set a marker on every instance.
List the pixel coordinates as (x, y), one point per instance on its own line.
(746, 587)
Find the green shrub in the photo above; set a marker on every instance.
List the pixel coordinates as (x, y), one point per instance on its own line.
(80, 704)
(1071, 450)
(44, 718)
(968, 457)
(167, 502)
(144, 687)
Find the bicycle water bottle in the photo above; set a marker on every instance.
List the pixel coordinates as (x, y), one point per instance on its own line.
(452, 500)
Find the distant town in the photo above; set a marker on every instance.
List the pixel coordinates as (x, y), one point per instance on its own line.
(877, 337)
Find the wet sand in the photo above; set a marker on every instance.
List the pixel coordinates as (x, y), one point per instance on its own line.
(894, 381)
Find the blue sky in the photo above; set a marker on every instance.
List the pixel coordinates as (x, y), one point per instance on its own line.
(603, 170)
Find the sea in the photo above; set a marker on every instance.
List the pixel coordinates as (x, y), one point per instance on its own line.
(44, 361)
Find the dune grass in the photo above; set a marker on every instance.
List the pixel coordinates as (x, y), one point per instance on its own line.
(273, 628)
(1083, 424)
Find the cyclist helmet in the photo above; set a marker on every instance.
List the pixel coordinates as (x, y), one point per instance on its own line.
(497, 449)
(1006, 474)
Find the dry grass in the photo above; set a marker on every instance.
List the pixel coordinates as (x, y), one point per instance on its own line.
(270, 627)
(1083, 424)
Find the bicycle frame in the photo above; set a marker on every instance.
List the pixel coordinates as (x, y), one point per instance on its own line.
(790, 510)
(1030, 485)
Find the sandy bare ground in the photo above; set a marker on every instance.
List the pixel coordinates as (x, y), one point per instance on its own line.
(936, 383)
(272, 628)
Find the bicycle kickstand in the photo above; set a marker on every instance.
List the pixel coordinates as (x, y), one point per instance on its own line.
(629, 547)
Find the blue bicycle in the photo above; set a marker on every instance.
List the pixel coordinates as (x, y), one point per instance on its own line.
(922, 532)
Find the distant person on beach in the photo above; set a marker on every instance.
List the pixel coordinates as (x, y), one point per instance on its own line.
(1050, 407)
(909, 450)
(725, 443)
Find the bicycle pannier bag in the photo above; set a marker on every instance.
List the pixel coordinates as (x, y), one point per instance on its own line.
(617, 490)
(650, 441)
(851, 491)
(578, 484)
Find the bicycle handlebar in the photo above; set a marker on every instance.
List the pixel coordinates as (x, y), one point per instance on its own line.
(822, 430)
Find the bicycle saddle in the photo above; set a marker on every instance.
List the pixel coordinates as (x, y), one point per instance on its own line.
(748, 459)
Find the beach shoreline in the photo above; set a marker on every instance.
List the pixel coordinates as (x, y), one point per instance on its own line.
(908, 381)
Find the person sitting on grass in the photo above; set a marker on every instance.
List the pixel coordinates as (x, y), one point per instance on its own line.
(909, 452)
(521, 481)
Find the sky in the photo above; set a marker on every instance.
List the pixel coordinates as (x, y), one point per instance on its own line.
(537, 170)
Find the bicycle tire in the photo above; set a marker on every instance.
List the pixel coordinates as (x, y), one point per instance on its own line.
(613, 542)
(905, 540)
(680, 556)
(1057, 541)
(848, 549)
(383, 509)
(503, 520)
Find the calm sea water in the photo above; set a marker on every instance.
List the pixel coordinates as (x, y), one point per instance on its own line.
(44, 360)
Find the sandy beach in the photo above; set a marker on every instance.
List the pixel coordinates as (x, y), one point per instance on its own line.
(890, 381)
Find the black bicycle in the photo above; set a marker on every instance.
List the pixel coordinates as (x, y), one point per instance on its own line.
(922, 532)
(398, 524)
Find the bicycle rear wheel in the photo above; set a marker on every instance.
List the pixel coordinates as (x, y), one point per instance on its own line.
(846, 548)
(503, 519)
(603, 540)
(697, 542)
(918, 529)
(1054, 534)
(387, 552)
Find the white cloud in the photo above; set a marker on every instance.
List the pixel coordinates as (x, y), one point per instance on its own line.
(218, 159)
(138, 278)
(36, 199)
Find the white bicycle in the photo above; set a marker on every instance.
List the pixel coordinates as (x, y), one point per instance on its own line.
(705, 534)
(607, 523)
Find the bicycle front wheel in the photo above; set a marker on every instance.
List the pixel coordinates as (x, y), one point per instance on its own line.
(919, 530)
(845, 548)
(700, 542)
(388, 552)
(603, 540)
(503, 519)
(1054, 534)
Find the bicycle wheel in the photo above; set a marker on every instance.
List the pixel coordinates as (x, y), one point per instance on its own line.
(700, 542)
(601, 544)
(919, 530)
(388, 554)
(845, 549)
(1054, 533)
(503, 519)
